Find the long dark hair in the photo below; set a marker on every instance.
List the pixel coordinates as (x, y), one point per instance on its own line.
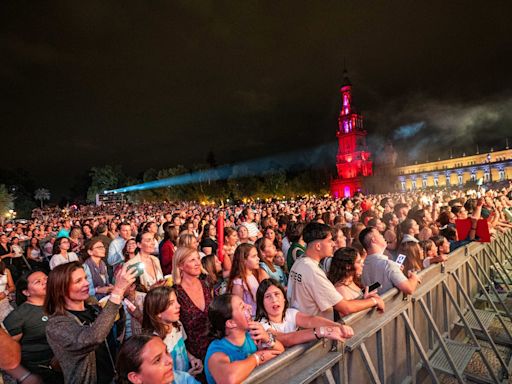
(342, 264)
(261, 313)
(129, 358)
(171, 233)
(260, 246)
(125, 249)
(56, 245)
(57, 288)
(156, 302)
(238, 269)
(219, 312)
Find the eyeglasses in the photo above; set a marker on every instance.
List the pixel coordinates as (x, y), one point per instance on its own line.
(99, 247)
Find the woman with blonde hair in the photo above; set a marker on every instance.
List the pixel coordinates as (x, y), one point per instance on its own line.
(187, 240)
(194, 297)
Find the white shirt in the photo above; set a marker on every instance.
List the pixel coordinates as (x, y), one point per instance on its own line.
(58, 259)
(288, 324)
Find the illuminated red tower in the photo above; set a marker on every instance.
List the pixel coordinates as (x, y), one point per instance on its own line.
(353, 158)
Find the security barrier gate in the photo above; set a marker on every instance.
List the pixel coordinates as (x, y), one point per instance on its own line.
(456, 326)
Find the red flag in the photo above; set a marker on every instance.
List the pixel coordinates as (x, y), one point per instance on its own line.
(220, 236)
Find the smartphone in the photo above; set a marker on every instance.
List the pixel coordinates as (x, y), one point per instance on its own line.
(400, 259)
(138, 266)
(372, 287)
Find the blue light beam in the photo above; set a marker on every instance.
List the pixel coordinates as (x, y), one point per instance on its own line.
(255, 167)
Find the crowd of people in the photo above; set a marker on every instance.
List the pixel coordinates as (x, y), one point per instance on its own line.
(149, 293)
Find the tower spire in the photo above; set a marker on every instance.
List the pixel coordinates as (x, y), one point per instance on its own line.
(346, 80)
(353, 160)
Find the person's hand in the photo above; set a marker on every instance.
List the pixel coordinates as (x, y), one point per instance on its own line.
(196, 366)
(367, 294)
(413, 276)
(380, 303)
(258, 333)
(346, 331)
(331, 333)
(124, 278)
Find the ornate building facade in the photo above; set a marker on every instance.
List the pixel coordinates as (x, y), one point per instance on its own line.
(453, 172)
(353, 160)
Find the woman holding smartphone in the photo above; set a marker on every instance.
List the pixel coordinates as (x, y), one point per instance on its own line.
(345, 272)
(77, 332)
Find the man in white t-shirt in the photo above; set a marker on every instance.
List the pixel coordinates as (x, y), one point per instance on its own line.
(310, 291)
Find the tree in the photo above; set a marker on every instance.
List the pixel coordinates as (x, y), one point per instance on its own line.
(42, 194)
(6, 202)
(104, 178)
(275, 181)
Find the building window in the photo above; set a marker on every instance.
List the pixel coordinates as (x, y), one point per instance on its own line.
(501, 175)
(473, 177)
(459, 178)
(424, 183)
(402, 183)
(448, 183)
(414, 184)
(436, 182)
(487, 177)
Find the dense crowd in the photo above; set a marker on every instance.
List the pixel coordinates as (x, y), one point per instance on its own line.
(165, 293)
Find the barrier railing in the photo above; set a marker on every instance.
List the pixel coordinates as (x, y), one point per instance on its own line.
(426, 337)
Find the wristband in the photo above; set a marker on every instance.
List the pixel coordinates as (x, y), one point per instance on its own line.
(270, 343)
(375, 303)
(115, 296)
(24, 377)
(257, 359)
(316, 335)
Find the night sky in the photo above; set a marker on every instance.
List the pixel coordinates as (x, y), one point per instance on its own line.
(160, 83)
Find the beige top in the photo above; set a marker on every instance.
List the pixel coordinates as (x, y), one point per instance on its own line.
(349, 292)
(146, 279)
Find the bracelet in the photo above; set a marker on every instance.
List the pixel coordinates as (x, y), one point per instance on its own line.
(24, 377)
(375, 303)
(257, 359)
(115, 296)
(316, 335)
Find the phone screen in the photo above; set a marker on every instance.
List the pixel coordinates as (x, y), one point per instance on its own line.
(372, 287)
(400, 259)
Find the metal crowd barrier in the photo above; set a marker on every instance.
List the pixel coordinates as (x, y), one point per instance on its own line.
(460, 315)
